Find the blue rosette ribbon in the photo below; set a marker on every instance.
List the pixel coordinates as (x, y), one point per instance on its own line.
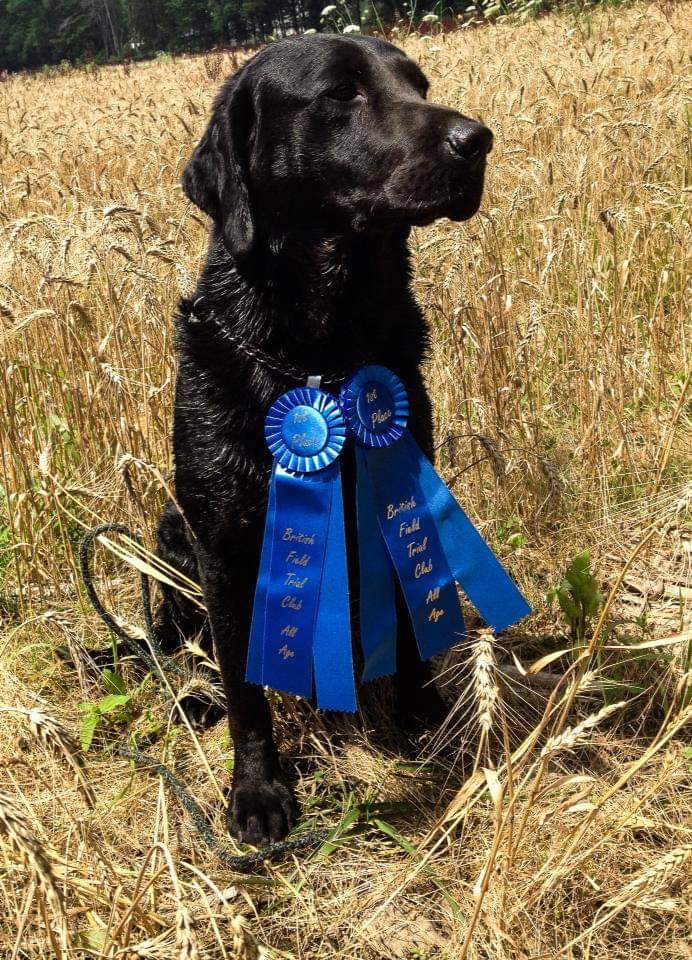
(300, 638)
(409, 524)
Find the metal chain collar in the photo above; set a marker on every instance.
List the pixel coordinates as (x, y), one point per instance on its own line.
(286, 370)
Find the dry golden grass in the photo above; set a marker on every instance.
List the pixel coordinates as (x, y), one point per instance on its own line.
(556, 821)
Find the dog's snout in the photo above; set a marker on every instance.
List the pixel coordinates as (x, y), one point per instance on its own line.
(470, 141)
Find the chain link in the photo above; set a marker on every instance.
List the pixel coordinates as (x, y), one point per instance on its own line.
(259, 356)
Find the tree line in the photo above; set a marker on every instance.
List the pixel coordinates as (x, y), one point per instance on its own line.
(38, 32)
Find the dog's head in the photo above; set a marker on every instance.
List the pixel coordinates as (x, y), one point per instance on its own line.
(332, 134)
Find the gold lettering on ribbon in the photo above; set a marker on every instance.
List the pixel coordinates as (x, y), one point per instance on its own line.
(297, 583)
(286, 652)
(295, 536)
(435, 612)
(393, 510)
(416, 547)
(380, 416)
(304, 441)
(298, 559)
(407, 529)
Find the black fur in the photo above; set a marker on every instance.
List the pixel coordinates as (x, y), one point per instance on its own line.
(320, 155)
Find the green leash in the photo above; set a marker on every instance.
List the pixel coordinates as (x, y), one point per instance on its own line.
(243, 863)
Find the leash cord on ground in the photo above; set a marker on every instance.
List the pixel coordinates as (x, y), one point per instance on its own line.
(240, 862)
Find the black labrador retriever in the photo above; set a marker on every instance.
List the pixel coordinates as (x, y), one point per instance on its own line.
(320, 155)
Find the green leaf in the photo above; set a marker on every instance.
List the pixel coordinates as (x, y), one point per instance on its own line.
(112, 681)
(332, 843)
(112, 702)
(578, 594)
(567, 604)
(87, 727)
(687, 754)
(516, 541)
(92, 939)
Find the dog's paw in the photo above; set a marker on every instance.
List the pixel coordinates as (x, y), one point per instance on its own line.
(261, 812)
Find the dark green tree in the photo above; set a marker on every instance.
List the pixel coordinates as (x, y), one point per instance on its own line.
(37, 32)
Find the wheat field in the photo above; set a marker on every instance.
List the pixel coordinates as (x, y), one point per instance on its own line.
(551, 815)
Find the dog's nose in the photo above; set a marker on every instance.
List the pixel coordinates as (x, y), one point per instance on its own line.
(470, 141)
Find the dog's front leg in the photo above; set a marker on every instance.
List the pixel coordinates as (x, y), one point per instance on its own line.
(262, 806)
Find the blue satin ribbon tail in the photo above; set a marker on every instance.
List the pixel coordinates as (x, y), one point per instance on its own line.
(300, 628)
(332, 652)
(474, 565)
(415, 549)
(377, 588)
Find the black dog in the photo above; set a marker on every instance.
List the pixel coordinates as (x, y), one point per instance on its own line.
(320, 155)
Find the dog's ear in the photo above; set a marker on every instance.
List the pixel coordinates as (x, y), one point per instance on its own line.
(216, 176)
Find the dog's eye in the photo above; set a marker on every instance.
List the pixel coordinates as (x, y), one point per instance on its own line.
(344, 92)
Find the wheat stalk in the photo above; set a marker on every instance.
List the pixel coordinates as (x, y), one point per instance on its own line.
(634, 893)
(653, 876)
(485, 679)
(17, 827)
(658, 904)
(55, 738)
(573, 736)
(245, 947)
(185, 938)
